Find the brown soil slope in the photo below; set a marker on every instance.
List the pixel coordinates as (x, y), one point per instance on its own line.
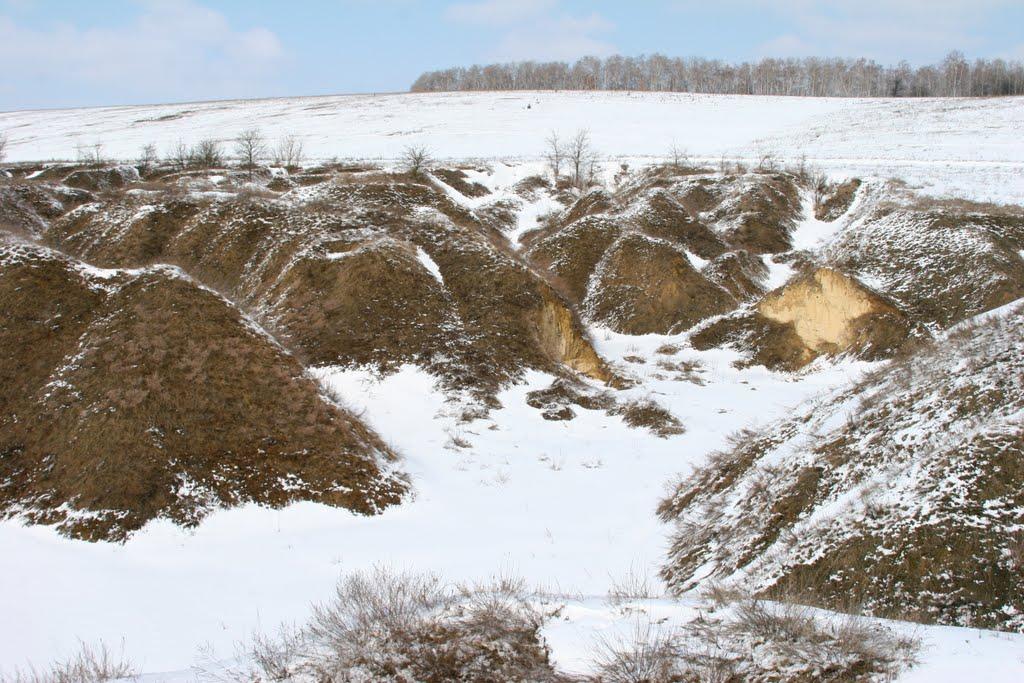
(338, 272)
(940, 265)
(820, 312)
(903, 495)
(636, 260)
(133, 396)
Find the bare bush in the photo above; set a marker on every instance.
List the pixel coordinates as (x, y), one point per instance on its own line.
(289, 152)
(148, 159)
(88, 665)
(3, 146)
(767, 163)
(649, 654)
(179, 156)
(89, 154)
(251, 149)
(769, 641)
(206, 154)
(636, 584)
(385, 626)
(278, 658)
(416, 158)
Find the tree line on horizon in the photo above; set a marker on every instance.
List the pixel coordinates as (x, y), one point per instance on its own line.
(954, 76)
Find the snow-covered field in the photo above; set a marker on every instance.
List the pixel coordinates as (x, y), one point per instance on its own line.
(569, 506)
(966, 146)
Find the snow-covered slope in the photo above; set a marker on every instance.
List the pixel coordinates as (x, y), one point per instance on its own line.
(901, 494)
(569, 505)
(968, 147)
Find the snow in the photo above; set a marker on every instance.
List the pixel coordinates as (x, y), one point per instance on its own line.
(968, 146)
(947, 655)
(778, 272)
(810, 233)
(567, 505)
(429, 264)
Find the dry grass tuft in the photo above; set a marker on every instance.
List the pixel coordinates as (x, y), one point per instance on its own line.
(89, 665)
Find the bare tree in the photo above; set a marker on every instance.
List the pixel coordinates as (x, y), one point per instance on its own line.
(416, 158)
(555, 154)
(819, 187)
(147, 158)
(206, 154)
(582, 159)
(678, 155)
(288, 152)
(955, 76)
(3, 146)
(250, 149)
(180, 156)
(89, 154)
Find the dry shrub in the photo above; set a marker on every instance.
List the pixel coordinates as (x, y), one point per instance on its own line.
(404, 627)
(91, 664)
(649, 654)
(755, 640)
(635, 584)
(648, 414)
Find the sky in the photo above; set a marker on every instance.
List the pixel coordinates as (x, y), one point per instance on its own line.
(65, 53)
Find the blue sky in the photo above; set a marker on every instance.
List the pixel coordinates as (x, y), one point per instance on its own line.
(58, 53)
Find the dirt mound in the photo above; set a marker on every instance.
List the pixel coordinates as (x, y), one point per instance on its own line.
(757, 211)
(645, 285)
(660, 215)
(384, 270)
(570, 255)
(632, 258)
(774, 345)
(27, 208)
(941, 265)
(596, 201)
(901, 495)
(138, 395)
(458, 179)
(99, 179)
(740, 273)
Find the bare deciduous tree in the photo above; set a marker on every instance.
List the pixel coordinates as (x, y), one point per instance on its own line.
(678, 155)
(147, 158)
(250, 149)
(288, 152)
(3, 146)
(819, 187)
(555, 154)
(582, 159)
(955, 76)
(89, 154)
(417, 158)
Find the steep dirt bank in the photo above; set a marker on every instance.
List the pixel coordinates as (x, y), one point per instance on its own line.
(900, 496)
(137, 395)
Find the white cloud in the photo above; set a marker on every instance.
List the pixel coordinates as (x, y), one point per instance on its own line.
(535, 29)
(174, 49)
